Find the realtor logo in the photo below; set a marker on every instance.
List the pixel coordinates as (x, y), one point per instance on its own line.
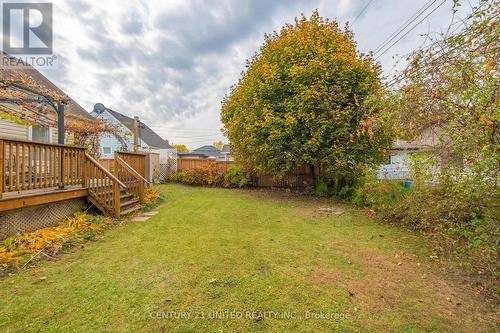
(27, 28)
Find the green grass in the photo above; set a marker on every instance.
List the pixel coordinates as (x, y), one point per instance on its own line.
(233, 253)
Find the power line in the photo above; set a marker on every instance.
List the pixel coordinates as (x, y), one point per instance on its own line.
(387, 49)
(404, 25)
(362, 11)
(399, 78)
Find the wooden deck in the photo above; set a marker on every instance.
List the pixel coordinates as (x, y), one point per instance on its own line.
(15, 200)
(36, 173)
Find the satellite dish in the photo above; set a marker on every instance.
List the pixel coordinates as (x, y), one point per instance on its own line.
(99, 108)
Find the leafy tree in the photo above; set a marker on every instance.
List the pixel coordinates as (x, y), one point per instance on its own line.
(307, 97)
(219, 145)
(181, 148)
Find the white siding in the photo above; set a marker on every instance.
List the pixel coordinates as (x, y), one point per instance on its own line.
(11, 130)
(112, 142)
(397, 168)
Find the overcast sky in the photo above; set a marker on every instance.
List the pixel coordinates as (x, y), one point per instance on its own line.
(171, 61)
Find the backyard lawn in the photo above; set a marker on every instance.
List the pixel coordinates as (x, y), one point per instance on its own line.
(220, 260)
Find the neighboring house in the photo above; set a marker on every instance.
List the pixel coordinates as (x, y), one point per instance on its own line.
(209, 151)
(149, 141)
(225, 153)
(40, 132)
(397, 164)
(191, 155)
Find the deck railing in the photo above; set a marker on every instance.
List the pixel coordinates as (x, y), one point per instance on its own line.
(29, 165)
(135, 182)
(104, 187)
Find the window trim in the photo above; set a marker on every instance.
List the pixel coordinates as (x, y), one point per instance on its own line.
(110, 150)
(51, 133)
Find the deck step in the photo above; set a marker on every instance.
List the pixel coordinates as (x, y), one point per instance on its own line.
(125, 196)
(130, 210)
(127, 203)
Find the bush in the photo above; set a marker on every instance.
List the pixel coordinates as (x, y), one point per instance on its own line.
(152, 198)
(335, 187)
(212, 175)
(378, 194)
(465, 224)
(236, 177)
(461, 214)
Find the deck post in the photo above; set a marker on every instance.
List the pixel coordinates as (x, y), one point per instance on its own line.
(2, 167)
(61, 167)
(116, 165)
(60, 124)
(141, 191)
(116, 201)
(84, 171)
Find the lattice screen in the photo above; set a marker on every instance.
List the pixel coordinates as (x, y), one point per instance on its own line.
(168, 169)
(33, 218)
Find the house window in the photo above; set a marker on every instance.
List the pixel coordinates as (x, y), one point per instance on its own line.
(106, 150)
(40, 133)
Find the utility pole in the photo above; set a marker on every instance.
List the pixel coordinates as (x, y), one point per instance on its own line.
(136, 134)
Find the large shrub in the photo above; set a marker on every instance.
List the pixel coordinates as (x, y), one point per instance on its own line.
(212, 175)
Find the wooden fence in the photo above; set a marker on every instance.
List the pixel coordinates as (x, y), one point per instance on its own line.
(299, 178)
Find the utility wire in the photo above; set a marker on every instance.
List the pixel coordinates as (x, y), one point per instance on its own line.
(362, 11)
(404, 25)
(399, 78)
(406, 34)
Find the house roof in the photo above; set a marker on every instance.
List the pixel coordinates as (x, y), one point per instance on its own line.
(208, 150)
(74, 108)
(180, 154)
(226, 149)
(146, 134)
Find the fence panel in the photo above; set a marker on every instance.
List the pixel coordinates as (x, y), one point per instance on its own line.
(136, 160)
(191, 164)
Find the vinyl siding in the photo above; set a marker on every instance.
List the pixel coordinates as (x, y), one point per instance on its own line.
(11, 130)
(398, 167)
(112, 142)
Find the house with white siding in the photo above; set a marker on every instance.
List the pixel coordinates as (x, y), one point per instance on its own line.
(397, 164)
(148, 141)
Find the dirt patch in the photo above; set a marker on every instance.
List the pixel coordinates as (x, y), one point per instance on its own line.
(323, 276)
